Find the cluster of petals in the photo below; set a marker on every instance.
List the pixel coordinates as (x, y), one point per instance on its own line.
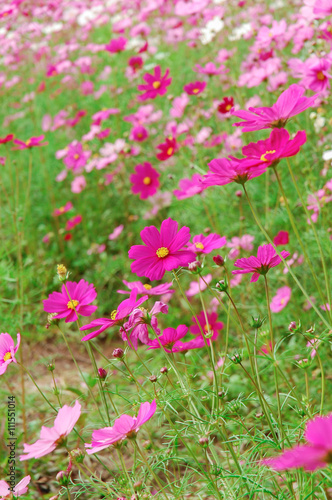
(260, 265)
(189, 187)
(194, 88)
(6, 492)
(281, 299)
(72, 301)
(30, 143)
(206, 244)
(147, 289)
(167, 148)
(8, 351)
(51, 437)
(226, 170)
(145, 181)
(156, 84)
(162, 251)
(124, 427)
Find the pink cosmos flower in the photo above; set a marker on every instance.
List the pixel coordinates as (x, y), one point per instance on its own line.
(322, 8)
(62, 210)
(116, 232)
(116, 45)
(147, 289)
(169, 338)
(20, 489)
(314, 73)
(189, 187)
(311, 456)
(138, 133)
(30, 143)
(51, 437)
(156, 84)
(208, 323)
(136, 62)
(195, 287)
(226, 105)
(206, 244)
(194, 88)
(282, 238)
(281, 299)
(163, 251)
(265, 260)
(78, 184)
(145, 181)
(210, 68)
(103, 115)
(81, 294)
(270, 151)
(73, 222)
(290, 103)
(125, 427)
(118, 316)
(7, 138)
(8, 350)
(76, 157)
(136, 328)
(226, 170)
(236, 244)
(167, 148)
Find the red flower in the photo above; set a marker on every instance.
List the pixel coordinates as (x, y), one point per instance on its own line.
(30, 143)
(226, 105)
(167, 149)
(194, 88)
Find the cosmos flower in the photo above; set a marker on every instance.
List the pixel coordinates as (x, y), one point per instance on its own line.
(76, 158)
(30, 143)
(116, 232)
(167, 148)
(316, 454)
(8, 350)
(163, 251)
(226, 170)
(80, 295)
(206, 244)
(136, 328)
(20, 489)
(282, 238)
(169, 338)
(226, 105)
(194, 88)
(189, 187)
(290, 103)
(260, 265)
(147, 289)
(51, 437)
(208, 323)
(156, 84)
(125, 427)
(73, 222)
(145, 180)
(62, 210)
(118, 316)
(116, 45)
(281, 299)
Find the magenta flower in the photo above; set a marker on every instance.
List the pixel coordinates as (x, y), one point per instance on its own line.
(30, 143)
(7, 138)
(290, 103)
(167, 148)
(162, 251)
(51, 437)
(206, 244)
(73, 222)
(80, 295)
(8, 350)
(118, 316)
(189, 187)
(76, 157)
(282, 238)
(314, 73)
(125, 427)
(147, 289)
(20, 489)
(194, 88)
(226, 105)
(138, 133)
(145, 181)
(212, 325)
(270, 151)
(226, 170)
(210, 69)
(314, 455)
(281, 299)
(136, 328)
(116, 45)
(265, 260)
(156, 84)
(62, 210)
(169, 339)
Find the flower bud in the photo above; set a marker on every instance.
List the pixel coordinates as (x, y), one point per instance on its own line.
(222, 286)
(257, 322)
(51, 367)
(292, 326)
(163, 370)
(193, 266)
(203, 441)
(137, 485)
(218, 260)
(153, 379)
(304, 363)
(118, 353)
(77, 455)
(62, 272)
(236, 358)
(238, 193)
(102, 373)
(62, 478)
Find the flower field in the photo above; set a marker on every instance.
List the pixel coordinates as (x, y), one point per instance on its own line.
(165, 269)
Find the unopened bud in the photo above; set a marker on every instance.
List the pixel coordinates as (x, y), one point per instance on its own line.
(193, 266)
(164, 370)
(153, 379)
(102, 373)
(62, 478)
(77, 455)
(203, 441)
(118, 353)
(292, 326)
(238, 193)
(62, 272)
(218, 260)
(222, 285)
(51, 367)
(257, 322)
(236, 358)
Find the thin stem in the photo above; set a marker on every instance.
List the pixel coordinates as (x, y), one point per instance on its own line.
(40, 392)
(156, 478)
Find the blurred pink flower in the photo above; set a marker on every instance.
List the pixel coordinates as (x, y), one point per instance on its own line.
(7, 492)
(281, 299)
(116, 232)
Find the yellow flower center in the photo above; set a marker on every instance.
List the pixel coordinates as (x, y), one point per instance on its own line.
(76, 156)
(207, 328)
(7, 356)
(228, 107)
(147, 286)
(320, 75)
(169, 152)
(72, 304)
(156, 85)
(267, 153)
(282, 301)
(162, 252)
(28, 142)
(195, 91)
(113, 314)
(147, 181)
(61, 209)
(199, 245)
